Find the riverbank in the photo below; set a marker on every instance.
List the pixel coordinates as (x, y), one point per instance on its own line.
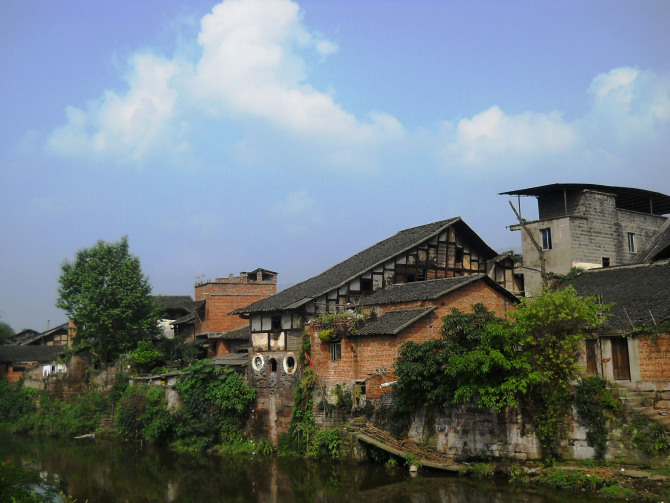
(607, 479)
(603, 479)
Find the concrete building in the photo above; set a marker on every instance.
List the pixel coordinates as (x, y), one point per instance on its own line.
(587, 226)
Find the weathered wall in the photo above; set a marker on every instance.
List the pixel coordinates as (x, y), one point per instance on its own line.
(654, 358)
(274, 399)
(593, 229)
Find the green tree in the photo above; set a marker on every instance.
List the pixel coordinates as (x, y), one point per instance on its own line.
(495, 363)
(108, 298)
(5, 332)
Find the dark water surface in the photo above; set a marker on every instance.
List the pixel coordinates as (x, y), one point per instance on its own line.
(102, 471)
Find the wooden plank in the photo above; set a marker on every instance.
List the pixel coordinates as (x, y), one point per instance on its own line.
(449, 467)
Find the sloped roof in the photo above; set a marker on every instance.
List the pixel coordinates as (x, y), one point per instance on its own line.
(641, 293)
(233, 359)
(175, 301)
(37, 337)
(659, 248)
(363, 261)
(393, 322)
(184, 320)
(237, 334)
(13, 353)
(627, 198)
(429, 290)
(22, 335)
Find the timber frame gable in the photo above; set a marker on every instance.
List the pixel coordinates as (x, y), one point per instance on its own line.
(444, 249)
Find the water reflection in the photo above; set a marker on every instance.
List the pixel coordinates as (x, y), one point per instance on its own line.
(100, 471)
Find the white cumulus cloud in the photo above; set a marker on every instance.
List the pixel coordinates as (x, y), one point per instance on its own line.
(250, 76)
(128, 125)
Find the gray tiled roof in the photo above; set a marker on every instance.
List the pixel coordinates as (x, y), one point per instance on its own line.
(639, 292)
(37, 337)
(233, 359)
(660, 247)
(363, 261)
(393, 322)
(428, 290)
(175, 301)
(186, 319)
(242, 333)
(12, 353)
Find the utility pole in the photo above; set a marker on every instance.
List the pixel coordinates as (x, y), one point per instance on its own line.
(540, 251)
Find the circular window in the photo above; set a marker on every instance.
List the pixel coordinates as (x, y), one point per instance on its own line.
(258, 362)
(290, 364)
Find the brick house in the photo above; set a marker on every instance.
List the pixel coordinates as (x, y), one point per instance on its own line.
(588, 226)
(15, 360)
(625, 350)
(439, 250)
(409, 312)
(209, 322)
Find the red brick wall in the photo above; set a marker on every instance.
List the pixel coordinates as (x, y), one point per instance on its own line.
(372, 358)
(654, 358)
(225, 295)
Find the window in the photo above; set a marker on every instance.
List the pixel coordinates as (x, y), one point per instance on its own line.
(546, 238)
(631, 242)
(606, 261)
(335, 351)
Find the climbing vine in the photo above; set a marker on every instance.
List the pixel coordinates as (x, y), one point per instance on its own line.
(594, 403)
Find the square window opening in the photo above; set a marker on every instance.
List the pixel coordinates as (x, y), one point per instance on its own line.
(335, 351)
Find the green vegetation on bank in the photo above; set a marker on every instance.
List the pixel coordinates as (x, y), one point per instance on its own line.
(528, 362)
(215, 405)
(303, 437)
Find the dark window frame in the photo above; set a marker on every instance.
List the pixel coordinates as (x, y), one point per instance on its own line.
(335, 350)
(545, 237)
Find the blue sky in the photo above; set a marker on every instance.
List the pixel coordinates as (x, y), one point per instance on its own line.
(268, 133)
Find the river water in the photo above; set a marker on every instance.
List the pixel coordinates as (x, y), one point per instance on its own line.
(103, 471)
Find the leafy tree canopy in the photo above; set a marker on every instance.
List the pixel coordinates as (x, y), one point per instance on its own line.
(5, 332)
(108, 298)
(529, 362)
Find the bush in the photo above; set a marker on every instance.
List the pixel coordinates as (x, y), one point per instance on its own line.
(58, 418)
(326, 444)
(142, 414)
(15, 401)
(215, 405)
(146, 356)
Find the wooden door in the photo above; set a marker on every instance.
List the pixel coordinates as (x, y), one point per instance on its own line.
(620, 365)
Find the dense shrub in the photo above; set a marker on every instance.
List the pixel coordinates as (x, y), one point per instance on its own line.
(15, 401)
(142, 414)
(59, 418)
(216, 402)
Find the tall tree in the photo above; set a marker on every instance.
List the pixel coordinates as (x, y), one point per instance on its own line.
(5, 332)
(108, 298)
